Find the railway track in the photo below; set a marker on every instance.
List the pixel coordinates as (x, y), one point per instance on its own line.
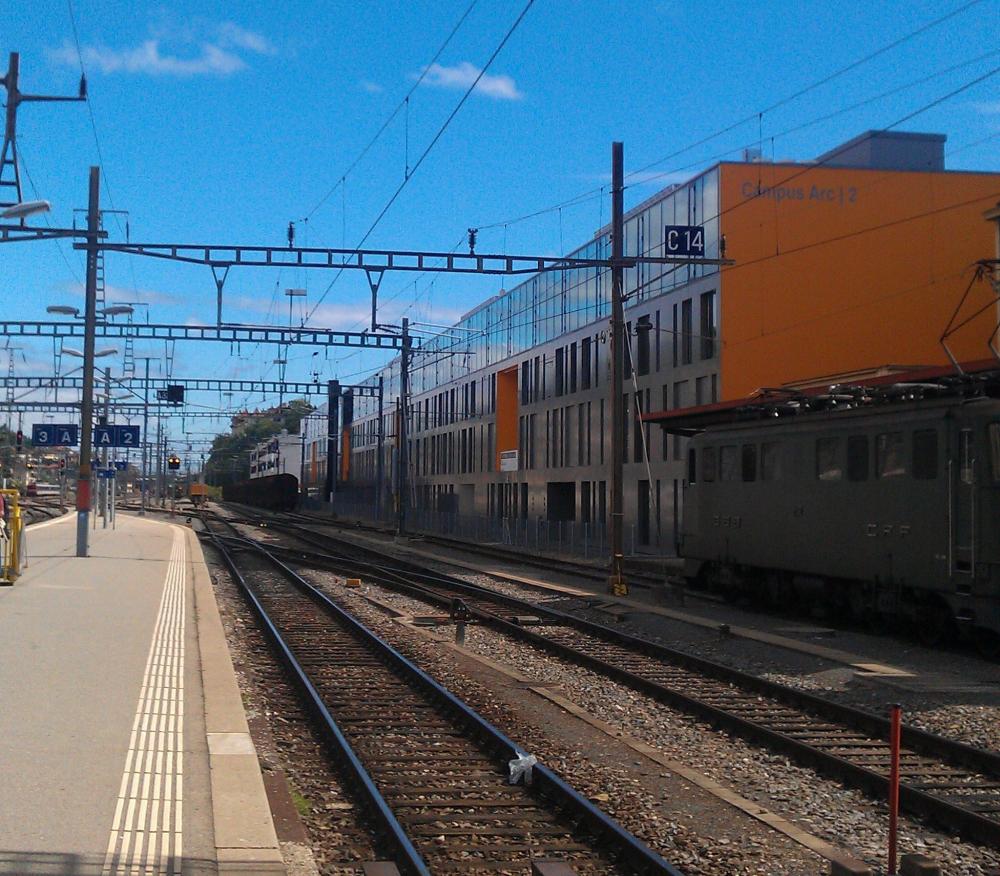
(954, 785)
(36, 511)
(433, 774)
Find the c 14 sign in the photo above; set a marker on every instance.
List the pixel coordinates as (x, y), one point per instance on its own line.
(684, 240)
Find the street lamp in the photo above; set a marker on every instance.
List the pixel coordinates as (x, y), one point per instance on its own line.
(24, 209)
(112, 310)
(107, 351)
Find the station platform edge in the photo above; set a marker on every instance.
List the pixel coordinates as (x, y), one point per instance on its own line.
(124, 744)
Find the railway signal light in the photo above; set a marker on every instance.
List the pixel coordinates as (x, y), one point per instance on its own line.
(19, 439)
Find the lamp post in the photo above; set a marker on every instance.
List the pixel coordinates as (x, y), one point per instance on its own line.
(86, 427)
(90, 326)
(144, 441)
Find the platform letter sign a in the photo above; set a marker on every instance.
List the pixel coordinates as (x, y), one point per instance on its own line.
(104, 436)
(684, 240)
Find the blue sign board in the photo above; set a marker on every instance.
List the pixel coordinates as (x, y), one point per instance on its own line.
(106, 473)
(121, 464)
(126, 436)
(684, 240)
(54, 435)
(104, 436)
(116, 436)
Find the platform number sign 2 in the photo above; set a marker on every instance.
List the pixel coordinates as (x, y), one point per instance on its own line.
(684, 240)
(126, 436)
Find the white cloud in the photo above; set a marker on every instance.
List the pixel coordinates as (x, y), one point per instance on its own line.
(120, 293)
(370, 87)
(193, 50)
(988, 108)
(462, 75)
(232, 35)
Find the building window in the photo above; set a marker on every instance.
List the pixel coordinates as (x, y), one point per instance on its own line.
(692, 472)
(560, 370)
(709, 325)
(642, 329)
(572, 367)
(585, 363)
(627, 351)
(637, 433)
(686, 332)
(675, 336)
(748, 462)
(525, 383)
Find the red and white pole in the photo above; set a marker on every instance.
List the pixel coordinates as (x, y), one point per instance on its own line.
(895, 726)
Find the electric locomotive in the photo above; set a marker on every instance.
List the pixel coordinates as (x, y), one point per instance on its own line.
(869, 502)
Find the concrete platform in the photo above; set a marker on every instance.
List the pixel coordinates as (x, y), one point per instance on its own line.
(123, 741)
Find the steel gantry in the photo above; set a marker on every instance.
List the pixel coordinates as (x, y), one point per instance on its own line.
(235, 334)
(221, 258)
(194, 384)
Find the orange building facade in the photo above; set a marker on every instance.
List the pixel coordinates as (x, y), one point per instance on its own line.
(841, 269)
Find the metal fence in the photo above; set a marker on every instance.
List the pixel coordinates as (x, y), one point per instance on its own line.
(567, 537)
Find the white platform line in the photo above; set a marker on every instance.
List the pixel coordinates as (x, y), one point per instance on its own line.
(146, 832)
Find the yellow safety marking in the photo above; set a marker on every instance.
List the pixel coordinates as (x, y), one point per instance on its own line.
(146, 831)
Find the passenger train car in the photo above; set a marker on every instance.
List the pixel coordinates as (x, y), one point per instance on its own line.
(876, 506)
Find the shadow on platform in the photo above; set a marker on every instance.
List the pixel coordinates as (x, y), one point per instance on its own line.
(14, 863)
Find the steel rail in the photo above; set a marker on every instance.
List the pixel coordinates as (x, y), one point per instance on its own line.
(408, 857)
(636, 853)
(916, 801)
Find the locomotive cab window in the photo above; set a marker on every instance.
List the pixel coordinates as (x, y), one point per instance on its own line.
(889, 460)
(708, 464)
(857, 457)
(748, 462)
(925, 454)
(770, 461)
(829, 466)
(994, 433)
(729, 467)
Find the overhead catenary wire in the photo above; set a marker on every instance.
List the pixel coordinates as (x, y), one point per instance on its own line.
(403, 104)
(430, 146)
(591, 194)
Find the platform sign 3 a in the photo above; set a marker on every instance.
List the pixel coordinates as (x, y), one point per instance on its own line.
(55, 435)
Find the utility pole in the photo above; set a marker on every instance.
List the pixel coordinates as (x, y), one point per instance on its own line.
(379, 462)
(332, 418)
(102, 491)
(616, 576)
(144, 441)
(401, 457)
(159, 460)
(90, 327)
(15, 97)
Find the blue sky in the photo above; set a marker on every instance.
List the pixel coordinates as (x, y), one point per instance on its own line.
(220, 122)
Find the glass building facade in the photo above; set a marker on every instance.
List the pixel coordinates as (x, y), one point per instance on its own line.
(549, 305)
